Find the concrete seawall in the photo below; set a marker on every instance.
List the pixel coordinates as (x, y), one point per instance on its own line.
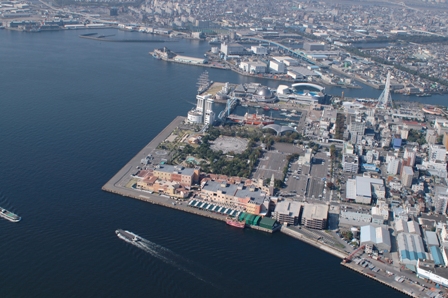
(356, 268)
(314, 243)
(117, 184)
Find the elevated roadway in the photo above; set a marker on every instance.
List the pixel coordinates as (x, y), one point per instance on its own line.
(298, 54)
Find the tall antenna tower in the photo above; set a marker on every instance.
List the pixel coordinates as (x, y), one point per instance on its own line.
(385, 100)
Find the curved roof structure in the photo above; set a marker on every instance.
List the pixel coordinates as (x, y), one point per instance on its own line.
(314, 87)
(264, 91)
(279, 128)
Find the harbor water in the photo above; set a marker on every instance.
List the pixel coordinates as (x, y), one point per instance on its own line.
(73, 112)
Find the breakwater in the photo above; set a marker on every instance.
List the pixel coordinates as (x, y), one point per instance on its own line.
(93, 36)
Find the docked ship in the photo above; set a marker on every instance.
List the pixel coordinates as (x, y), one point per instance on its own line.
(9, 215)
(234, 223)
(127, 236)
(424, 94)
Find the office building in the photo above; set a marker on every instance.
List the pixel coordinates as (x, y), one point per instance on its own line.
(406, 176)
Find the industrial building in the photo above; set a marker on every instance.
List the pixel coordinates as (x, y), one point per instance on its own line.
(287, 212)
(276, 67)
(233, 49)
(411, 227)
(362, 189)
(315, 216)
(375, 236)
(427, 270)
(189, 60)
(313, 46)
(410, 248)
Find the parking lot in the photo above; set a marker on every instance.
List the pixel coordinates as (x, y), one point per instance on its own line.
(272, 162)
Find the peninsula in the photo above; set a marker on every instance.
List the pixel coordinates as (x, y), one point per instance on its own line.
(350, 177)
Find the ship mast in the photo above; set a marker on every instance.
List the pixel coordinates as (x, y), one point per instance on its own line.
(203, 82)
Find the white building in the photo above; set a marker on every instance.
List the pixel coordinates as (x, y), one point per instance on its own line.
(437, 153)
(253, 66)
(426, 270)
(363, 189)
(378, 236)
(406, 176)
(350, 163)
(380, 212)
(259, 50)
(276, 67)
(203, 113)
(393, 164)
(232, 49)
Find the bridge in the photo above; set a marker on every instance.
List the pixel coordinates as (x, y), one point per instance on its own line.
(231, 103)
(298, 54)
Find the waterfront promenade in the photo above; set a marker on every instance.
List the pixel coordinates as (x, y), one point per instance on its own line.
(119, 181)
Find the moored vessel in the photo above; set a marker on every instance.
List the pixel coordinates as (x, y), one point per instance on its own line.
(234, 223)
(9, 215)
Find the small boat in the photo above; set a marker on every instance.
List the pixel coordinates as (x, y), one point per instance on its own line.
(424, 95)
(234, 223)
(266, 108)
(245, 105)
(283, 110)
(275, 109)
(257, 107)
(293, 111)
(127, 236)
(9, 215)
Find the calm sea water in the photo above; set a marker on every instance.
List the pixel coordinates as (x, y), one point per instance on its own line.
(72, 113)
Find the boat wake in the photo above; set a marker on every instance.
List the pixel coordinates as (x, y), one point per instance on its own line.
(164, 254)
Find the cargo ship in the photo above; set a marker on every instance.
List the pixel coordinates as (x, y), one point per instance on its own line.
(9, 215)
(234, 223)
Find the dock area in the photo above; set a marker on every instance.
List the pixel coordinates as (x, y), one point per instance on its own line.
(173, 57)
